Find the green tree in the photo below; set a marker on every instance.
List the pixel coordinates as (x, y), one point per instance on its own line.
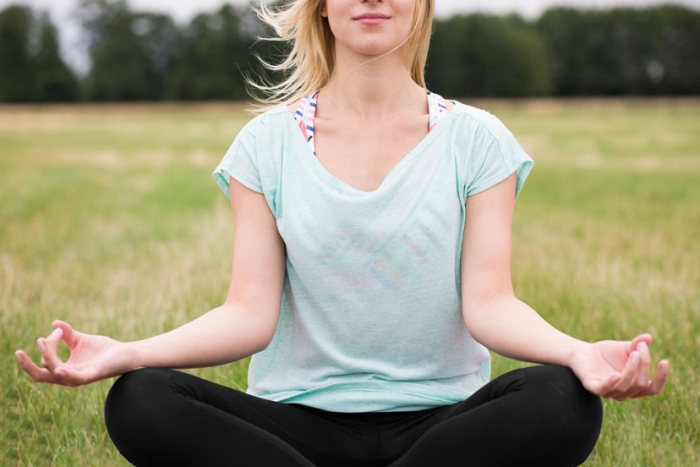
(54, 80)
(31, 67)
(624, 51)
(489, 56)
(131, 53)
(16, 61)
(672, 63)
(214, 52)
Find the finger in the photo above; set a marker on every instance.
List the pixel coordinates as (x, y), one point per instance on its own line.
(49, 349)
(642, 381)
(632, 346)
(74, 377)
(602, 387)
(39, 375)
(627, 377)
(656, 386)
(70, 335)
(54, 338)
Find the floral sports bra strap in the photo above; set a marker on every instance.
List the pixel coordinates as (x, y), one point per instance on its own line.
(306, 113)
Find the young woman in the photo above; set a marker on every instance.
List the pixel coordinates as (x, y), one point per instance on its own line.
(371, 273)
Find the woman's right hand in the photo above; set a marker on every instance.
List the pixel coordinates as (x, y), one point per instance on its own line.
(92, 358)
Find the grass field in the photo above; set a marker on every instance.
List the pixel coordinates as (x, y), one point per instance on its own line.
(110, 220)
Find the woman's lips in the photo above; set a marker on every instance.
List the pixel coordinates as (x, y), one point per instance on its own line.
(371, 19)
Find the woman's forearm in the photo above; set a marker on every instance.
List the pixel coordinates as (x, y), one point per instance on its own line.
(513, 329)
(223, 335)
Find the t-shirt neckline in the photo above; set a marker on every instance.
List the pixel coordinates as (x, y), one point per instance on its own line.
(305, 129)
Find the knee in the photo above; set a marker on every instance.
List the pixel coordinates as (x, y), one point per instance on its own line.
(565, 384)
(564, 393)
(576, 415)
(131, 396)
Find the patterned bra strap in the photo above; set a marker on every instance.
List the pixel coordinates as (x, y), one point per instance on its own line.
(437, 107)
(306, 113)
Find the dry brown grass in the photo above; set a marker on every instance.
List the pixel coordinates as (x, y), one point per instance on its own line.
(109, 219)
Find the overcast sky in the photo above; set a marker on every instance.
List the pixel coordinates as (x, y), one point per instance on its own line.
(183, 10)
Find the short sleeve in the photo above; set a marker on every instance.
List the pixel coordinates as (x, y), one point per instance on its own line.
(240, 162)
(496, 156)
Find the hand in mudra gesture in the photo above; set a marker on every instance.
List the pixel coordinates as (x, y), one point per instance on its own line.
(620, 370)
(92, 358)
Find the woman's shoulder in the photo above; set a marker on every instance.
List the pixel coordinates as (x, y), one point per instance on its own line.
(478, 119)
(263, 122)
(273, 114)
(469, 112)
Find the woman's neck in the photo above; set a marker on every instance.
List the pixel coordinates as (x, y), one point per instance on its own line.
(372, 90)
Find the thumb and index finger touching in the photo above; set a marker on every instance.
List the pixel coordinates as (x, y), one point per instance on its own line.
(69, 335)
(633, 346)
(49, 354)
(49, 345)
(634, 343)
(654, 385)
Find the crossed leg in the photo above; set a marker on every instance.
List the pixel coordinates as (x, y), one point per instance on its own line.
(534, 416)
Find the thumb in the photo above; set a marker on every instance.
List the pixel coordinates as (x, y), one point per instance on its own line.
(77, 376)
(632, 346)
(70, 336)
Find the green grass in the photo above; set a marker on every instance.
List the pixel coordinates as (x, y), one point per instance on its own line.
(110, 220)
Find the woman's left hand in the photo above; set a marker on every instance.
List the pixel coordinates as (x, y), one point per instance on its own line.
(619, 370)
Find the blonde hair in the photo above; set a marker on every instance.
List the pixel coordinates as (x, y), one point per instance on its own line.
(310, 63)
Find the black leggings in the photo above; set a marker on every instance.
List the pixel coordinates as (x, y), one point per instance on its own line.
(535, 416)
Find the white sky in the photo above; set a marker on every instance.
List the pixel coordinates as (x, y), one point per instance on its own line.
(183, 10)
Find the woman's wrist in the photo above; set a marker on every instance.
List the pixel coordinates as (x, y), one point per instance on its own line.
(575, 348)
(141, 354)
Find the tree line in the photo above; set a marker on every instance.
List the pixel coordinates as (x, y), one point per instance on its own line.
(141, 56)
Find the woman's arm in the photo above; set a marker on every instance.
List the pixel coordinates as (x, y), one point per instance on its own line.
(242, 326)
(504, 324)
(246, 322)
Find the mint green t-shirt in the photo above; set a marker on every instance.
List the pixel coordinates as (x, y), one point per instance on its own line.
(371, 312)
